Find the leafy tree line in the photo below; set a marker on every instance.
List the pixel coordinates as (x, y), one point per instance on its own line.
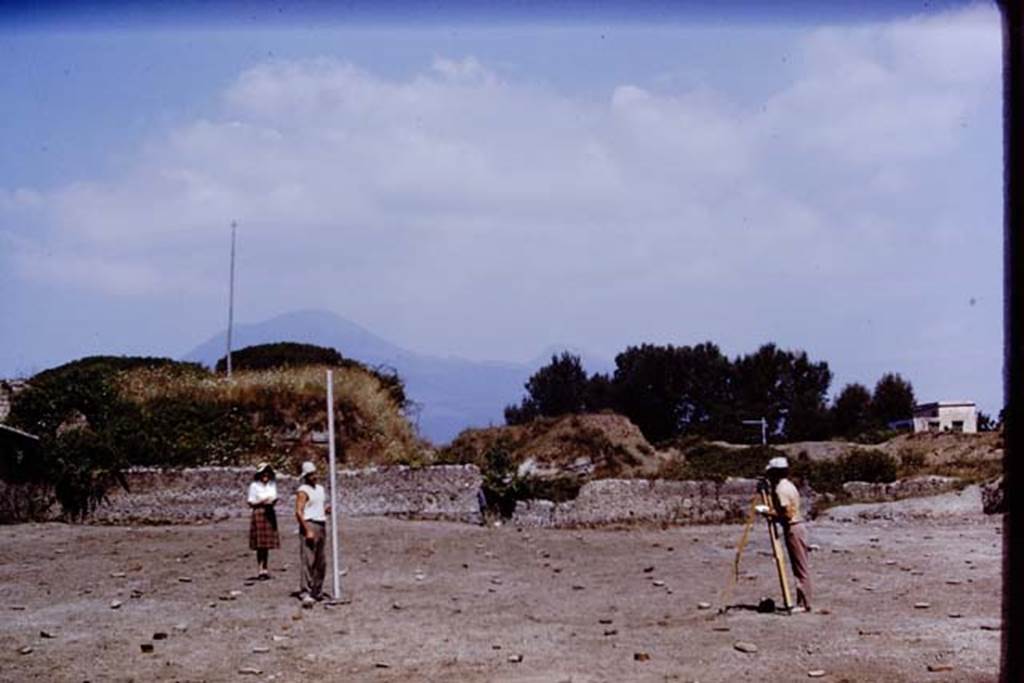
(675, 391)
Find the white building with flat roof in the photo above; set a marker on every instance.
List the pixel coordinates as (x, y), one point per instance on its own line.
(946, 416)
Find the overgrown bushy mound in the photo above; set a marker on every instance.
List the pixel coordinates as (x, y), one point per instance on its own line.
(598, 446)
(98, 415)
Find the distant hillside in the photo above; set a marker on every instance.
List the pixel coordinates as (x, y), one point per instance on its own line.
(453, 393)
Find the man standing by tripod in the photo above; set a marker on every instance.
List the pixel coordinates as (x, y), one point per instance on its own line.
(785, 510)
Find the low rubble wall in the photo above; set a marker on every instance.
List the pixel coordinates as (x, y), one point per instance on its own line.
(914, 487)
(625, 501)
(177, 496)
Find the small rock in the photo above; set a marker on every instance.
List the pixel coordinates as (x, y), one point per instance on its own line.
(261, 649)
(954, 615)
(234, 594)
(641, 657)
(279, 639)
(648, 570)
(991, 627)
(115, 604)
(515, 659)
(496, 581)
(135, 594)
(868, 632)
(825, 610)
(954, 582)
(27, 650)
(18, 608)
(721, 629)
(604, 621)
(611, 632)
(46, 634)
(185, 579)
(181, 627)
(813, 547)
(744, 646)
(146, 648)
(816, 673)
(940, 667)
(703, 605)
(159, 635)
(118, 575)
(922, 605)
(890, 562)
(250, 671)
(658, 583)
(577, 587)
(395, 606)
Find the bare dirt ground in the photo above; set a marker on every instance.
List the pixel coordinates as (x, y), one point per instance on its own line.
(439, 601)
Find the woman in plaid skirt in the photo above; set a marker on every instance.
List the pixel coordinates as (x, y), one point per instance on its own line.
(263, 525)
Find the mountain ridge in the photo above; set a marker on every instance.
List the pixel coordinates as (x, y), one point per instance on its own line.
(451, 393)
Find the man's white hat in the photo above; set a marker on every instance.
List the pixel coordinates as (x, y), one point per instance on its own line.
(779, 463)
(307, 469)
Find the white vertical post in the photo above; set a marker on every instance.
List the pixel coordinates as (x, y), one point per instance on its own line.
(334, 486)
(231, 296)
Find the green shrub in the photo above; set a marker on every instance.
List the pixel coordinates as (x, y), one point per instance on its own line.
(716, 463)
(828, 476)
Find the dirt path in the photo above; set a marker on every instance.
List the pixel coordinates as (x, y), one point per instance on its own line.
(452, 602)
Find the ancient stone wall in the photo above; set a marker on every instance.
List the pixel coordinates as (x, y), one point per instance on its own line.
(158, 496)
(929, 485)
(626, 501)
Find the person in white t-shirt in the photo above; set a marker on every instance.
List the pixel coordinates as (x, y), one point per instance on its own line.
(263, 534)
(785, 510)
(311, 511)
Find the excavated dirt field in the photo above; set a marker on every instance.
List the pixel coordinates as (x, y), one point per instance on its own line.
(439, 601)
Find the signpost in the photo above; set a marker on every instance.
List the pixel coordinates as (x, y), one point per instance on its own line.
(334, 486)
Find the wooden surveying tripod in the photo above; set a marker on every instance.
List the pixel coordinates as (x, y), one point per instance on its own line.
(780, 565)
(762, 498)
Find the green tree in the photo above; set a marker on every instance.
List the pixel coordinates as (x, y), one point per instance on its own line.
(893, 399)
(558, 388)
(786, 389)
(672, 390)
(851, 413)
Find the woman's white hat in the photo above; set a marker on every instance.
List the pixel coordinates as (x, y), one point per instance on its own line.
(308, 468)
(778, 463)
(263, 466)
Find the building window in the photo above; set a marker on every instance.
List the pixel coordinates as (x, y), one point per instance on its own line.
(933, 425)
(958, 425)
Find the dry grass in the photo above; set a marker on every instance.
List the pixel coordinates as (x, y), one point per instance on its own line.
(373, 429)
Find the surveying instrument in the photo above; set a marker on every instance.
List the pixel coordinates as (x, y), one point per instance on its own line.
(761, 505)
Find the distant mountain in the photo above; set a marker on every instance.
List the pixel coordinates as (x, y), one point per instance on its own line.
(452, 393)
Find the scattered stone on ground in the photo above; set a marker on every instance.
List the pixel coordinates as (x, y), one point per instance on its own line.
(250, 671)
(46, 634)
(115, 604)
(940, 667)
(816, 673)
(641, 656)
(922, 605)
(159, 635)
(147, 648)
(744, 646)
(703, 605)
(27, 650)
(515, 659)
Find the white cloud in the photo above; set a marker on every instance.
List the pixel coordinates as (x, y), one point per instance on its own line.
(457, 194)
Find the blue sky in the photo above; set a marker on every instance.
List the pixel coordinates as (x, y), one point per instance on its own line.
(487, 185)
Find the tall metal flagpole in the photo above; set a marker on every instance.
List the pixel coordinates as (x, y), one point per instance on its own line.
(231, 296)
(334, 485)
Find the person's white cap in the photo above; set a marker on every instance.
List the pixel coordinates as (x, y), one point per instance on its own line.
(308, 468)
(779, 463)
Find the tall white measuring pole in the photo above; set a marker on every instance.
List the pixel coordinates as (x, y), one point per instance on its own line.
(334, 486)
